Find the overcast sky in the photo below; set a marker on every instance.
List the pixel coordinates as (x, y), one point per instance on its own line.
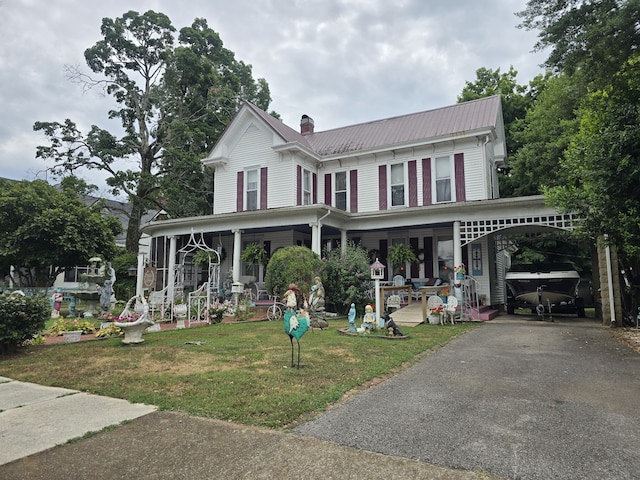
(339, 61)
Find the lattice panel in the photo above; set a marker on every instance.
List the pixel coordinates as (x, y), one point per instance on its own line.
(474, 229)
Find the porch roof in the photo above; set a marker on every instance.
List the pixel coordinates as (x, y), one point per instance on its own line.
(478, 218)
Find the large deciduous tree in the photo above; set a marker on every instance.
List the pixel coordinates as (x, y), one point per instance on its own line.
(594, 45)
(173, 103)
(47, 230)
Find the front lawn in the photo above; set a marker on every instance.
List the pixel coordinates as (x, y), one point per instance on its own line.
(235, 372)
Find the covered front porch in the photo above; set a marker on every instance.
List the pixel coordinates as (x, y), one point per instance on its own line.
(442, 235)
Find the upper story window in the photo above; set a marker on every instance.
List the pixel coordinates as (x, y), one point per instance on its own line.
(307, 187)
(397, 185)
(252, 186)
(341, 190)
(443, 179)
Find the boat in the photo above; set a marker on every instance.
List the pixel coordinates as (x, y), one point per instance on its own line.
(544, 287)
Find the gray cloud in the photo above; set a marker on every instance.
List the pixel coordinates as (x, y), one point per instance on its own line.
(339, 61)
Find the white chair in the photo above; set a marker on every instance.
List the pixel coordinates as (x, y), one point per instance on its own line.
(393, 302)
(434, 302)
(260, 290)
(398, 281)
(451, 309)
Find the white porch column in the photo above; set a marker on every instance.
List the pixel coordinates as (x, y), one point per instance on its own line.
(343, 241)
(172, 268)
(237, 247)
(140, 277)
(315, 237)
(457, 257)
(457, 244)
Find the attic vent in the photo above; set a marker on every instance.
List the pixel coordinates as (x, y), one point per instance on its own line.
(306, 125)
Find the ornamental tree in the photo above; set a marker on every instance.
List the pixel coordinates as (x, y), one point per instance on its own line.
(48, 230)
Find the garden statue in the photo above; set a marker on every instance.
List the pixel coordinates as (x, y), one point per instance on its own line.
(352, 318)
(290, 297)
(56, 298)
(391, 326)
(105, 296)
(316, 297)
(368, 320)
(316, 305)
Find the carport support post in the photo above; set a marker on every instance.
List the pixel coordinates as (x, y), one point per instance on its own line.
(457, 256)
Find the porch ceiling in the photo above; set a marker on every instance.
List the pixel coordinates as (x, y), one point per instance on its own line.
(478, 218)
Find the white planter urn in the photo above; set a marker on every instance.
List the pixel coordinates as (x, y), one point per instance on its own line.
(180, 312)
(434, 319)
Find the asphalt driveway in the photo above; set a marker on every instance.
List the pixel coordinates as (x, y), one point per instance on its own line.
(517, 398)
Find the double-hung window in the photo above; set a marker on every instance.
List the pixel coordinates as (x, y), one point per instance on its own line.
(341, 191)
(443, 179)
(252, 189)
(397, 185)
(307, 187)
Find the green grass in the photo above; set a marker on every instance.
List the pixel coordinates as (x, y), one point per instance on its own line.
(242, 373)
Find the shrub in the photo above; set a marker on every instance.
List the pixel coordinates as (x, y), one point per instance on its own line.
(21, 318)
(347, 278)
(293, 264)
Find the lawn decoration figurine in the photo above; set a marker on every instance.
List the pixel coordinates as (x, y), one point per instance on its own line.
(316, 305)
(391, 326)
(295, 325)
(352, 318)
(368, 321)
(56, 298)
(290, 297)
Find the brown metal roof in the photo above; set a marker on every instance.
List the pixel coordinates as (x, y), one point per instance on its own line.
(460, 118)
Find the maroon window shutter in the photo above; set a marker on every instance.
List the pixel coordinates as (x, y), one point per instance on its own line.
(413, 183)
(415, 268)
(263, 188)
(240, 192)
(382, 187)
(327, 189)
(428, 257)
(353, 191)
(458, 165)
(384, 251)
(315, 189)
(299, 185)
(426, 182)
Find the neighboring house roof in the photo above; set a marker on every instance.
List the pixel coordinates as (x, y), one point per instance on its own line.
(461, 118)
(121, 211)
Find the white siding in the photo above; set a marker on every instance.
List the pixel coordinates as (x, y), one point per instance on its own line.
(252, 150)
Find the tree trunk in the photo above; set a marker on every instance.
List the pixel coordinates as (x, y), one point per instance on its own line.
(133, 228)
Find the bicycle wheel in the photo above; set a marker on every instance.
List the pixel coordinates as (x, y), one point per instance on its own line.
(274, 312)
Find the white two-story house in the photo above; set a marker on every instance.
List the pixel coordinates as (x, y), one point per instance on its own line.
(427, 179)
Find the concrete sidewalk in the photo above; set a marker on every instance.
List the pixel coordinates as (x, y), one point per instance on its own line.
(168, 445)
(34, 418)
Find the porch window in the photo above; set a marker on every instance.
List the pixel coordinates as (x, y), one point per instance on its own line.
(307, 187)
(397, 185)
(443, 179)
(251, 189)
(341, 190)
(445, 258)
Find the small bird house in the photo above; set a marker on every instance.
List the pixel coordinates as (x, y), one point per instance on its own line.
(377, 270)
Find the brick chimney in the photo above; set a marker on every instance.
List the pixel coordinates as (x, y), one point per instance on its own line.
(306, 125)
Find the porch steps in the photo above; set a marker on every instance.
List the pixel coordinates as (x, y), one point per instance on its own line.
(483, 313)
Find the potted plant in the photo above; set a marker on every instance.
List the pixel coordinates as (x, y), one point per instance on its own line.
(254, 254)
(435, 315)
(73, 330)
(400, 254)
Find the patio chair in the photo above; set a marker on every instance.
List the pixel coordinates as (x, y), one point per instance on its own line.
(450, 309)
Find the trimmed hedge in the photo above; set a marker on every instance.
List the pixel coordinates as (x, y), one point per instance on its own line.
(21, 318)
